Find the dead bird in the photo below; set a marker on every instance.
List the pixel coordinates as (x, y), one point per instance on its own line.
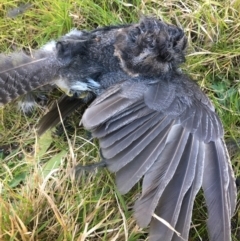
(153, 123)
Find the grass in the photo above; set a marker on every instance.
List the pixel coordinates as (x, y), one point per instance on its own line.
(39, 197)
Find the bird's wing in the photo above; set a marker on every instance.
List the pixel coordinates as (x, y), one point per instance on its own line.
(61, 109)
(174, 143)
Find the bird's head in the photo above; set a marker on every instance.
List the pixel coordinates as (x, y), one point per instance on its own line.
(150, 47)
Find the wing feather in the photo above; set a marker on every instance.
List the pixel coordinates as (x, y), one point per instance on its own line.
(65, 106)
(215, 186)
(171, 150)
(103, 111)
(184, 220)
(126, 149)
(160, 174)
(120, 121)
(117, 135)
(135, 169)
(171, 201)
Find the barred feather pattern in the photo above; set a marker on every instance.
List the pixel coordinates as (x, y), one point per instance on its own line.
(20, 73)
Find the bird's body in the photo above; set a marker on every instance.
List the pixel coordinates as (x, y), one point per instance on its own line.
(55, 64)
(153, 124)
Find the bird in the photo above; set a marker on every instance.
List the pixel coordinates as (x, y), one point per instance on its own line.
(57, 64)
(24, 72)
(153, 122)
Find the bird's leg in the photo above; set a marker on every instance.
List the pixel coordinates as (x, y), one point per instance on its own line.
(91, 167)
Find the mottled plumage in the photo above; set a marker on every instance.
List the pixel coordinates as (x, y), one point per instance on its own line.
(66, 64)
(160, 127)
(153, 124)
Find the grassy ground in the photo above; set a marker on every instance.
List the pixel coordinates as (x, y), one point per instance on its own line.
(39, 197)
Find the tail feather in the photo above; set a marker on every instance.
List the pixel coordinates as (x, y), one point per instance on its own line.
(21, 72)
(64, 107)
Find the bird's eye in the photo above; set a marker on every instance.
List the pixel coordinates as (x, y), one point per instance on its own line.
(134, 34)
(150, 45)
(143, 27)
(150, 42)
(61, 45)
(170, 45)
(63, 49)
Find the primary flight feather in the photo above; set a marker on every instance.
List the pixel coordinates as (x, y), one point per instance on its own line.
(154, 124)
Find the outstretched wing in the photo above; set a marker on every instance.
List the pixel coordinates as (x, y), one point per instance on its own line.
(172, 139)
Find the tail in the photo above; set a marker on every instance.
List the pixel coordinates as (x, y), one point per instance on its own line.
(21, 72)
(64, 107)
